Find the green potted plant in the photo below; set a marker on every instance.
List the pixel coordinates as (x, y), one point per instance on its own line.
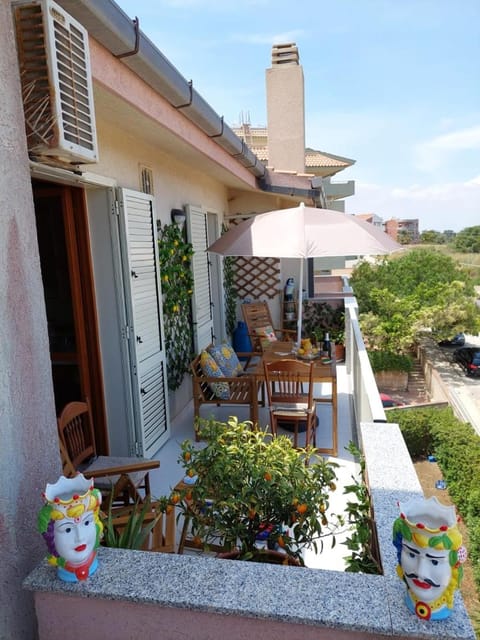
(320, 317)
(251, 486)
(133, 526)
(337, 333)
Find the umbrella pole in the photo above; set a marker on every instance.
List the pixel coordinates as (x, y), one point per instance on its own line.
(300, 304)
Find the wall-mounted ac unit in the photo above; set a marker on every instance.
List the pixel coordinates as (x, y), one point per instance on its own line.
(56, 83)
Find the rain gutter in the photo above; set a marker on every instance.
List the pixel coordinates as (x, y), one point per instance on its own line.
(107, 23)
(313, 194)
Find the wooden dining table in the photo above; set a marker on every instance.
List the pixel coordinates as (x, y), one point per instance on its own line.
(322, 372)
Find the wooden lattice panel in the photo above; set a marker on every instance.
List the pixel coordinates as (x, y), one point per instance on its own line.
(255, 278)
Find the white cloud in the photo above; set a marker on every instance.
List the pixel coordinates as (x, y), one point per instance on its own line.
(268, 38)
(433, 153)
(454, 205)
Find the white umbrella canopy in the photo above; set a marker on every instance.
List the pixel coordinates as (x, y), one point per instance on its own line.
(303, 232)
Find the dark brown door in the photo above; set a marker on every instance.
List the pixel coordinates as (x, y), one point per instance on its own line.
(62, 229)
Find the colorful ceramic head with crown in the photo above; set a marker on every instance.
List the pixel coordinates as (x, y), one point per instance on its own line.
(69, 521)
(430, 554)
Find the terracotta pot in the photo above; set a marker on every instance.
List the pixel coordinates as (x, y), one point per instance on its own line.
(339, 352)
(263, 555)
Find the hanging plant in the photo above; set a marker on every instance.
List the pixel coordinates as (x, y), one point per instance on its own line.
(230, 292)
(177, 286)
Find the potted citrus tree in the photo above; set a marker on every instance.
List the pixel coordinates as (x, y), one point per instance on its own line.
(254, 492)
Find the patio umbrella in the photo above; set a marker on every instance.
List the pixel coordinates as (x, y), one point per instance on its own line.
(303, 232)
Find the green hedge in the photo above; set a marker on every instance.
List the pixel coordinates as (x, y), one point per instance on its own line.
(387, 361)
(456, 447)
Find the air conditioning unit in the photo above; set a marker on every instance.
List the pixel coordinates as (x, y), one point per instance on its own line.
(56, 83)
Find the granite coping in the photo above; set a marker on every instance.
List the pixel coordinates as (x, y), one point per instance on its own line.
(331, 599)
(328, 599)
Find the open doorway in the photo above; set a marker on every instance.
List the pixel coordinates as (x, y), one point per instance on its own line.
(64, 247)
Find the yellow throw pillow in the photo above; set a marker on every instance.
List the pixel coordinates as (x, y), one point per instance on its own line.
(227, 359)
(211, 369)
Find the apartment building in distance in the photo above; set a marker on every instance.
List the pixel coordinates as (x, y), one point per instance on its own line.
(402, 228)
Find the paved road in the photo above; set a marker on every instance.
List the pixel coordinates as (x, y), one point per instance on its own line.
(465, 391)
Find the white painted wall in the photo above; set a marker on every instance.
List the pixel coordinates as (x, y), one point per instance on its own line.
(175, 183)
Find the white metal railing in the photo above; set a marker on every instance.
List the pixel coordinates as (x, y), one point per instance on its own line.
(366, 397)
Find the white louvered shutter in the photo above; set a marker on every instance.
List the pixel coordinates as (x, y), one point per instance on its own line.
(202, 296)
(144, 317)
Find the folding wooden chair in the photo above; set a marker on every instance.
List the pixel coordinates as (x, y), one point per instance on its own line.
(125, 479)
(260, 326)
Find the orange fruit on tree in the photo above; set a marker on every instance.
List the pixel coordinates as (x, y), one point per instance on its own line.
(302, 508)
(267, 476)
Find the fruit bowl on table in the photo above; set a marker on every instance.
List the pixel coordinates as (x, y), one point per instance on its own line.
(311, 355)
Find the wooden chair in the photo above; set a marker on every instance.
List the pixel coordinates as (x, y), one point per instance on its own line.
(241, 388)
(123, 478)
(257, 316)
(290, 397)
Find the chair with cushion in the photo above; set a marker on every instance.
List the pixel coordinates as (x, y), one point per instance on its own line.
(124, 479)
(260, 326)
(290, 398)
(220, 376)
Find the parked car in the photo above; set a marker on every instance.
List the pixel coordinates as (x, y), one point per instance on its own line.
(469, 359)
(388, 401)
(457, 341)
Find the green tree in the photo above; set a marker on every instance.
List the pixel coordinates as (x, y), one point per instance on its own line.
(468, 240)
(404, 236)
(432, 237)
(401, 298)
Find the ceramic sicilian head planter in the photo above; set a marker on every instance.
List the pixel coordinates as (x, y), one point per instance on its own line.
(430, 554)
(69, 521)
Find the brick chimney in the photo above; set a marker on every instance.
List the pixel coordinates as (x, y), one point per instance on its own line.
(286, 109)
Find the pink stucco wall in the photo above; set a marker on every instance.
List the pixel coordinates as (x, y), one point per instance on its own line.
(120, 81)
(28, 452)
(61, 617)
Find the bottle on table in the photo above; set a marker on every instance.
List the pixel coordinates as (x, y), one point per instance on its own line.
(327, 345)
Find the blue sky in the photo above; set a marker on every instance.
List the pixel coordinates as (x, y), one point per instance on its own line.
(392, 84)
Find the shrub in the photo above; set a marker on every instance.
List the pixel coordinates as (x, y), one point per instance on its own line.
(457, 449)
(387, 361)
(415, 426)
